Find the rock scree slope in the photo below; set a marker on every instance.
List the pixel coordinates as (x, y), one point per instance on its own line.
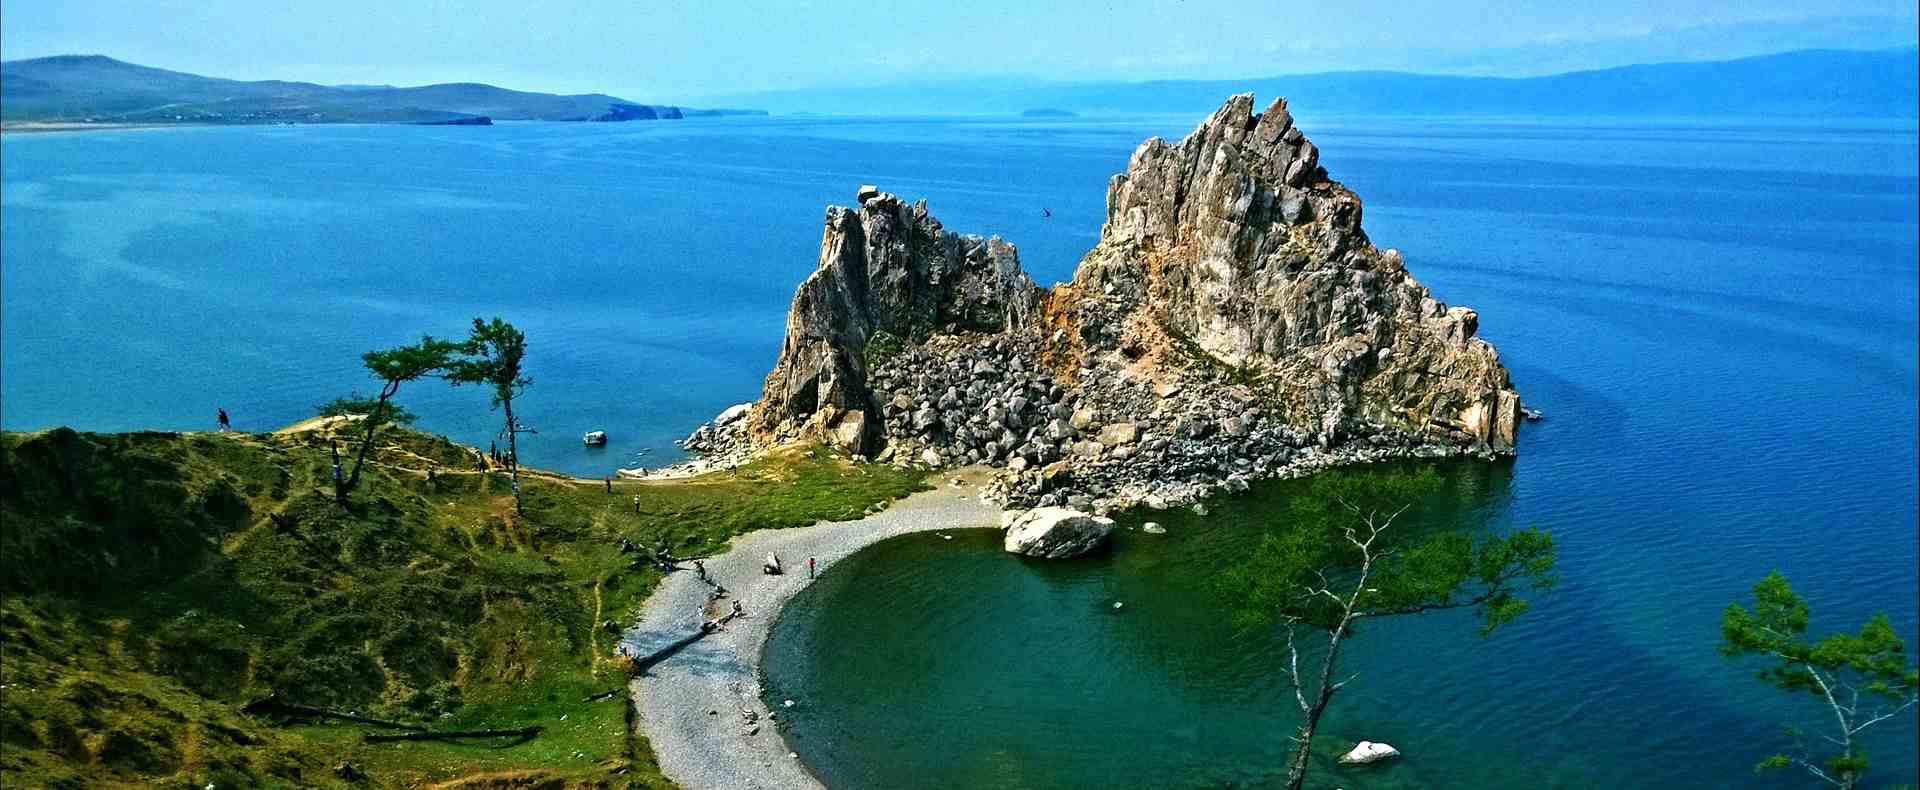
(1233, 322)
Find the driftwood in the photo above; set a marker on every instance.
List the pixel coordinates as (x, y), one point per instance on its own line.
(525, 732)
(271, 704)
(608, 694)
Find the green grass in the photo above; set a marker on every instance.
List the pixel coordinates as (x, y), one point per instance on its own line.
(154, 583)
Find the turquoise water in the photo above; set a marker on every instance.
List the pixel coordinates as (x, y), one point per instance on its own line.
(1719, 320)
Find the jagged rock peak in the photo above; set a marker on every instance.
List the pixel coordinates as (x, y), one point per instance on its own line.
(1236, 165)
(888, 271)
(1236, 243)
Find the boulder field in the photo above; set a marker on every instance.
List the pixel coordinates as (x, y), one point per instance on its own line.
(1233, 322)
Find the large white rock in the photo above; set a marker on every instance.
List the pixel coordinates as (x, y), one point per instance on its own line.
(732, 413)
(1368, 752)
(1057, 533)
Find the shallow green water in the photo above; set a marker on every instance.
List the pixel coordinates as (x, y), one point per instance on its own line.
(929, 662)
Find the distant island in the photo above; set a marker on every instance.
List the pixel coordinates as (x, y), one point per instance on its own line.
(75, 91)
(1049, 112)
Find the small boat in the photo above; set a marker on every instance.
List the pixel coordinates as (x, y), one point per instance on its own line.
(595, 439)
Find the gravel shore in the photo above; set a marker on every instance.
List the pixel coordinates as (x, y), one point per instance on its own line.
(721, 673)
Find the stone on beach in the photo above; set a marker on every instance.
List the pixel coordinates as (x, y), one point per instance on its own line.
(1057, 533)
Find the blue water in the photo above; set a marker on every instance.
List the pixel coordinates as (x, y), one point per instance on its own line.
(1719, 319)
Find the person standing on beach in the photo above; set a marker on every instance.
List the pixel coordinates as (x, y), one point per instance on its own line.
(225, 425)
(809, 567)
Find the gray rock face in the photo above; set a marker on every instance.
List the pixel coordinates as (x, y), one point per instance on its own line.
(1234, 245)
(885, 267)
(1056, 533)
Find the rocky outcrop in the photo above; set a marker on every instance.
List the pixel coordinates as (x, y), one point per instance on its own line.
(1056, 533)
(1235, 247)
(889, 276)
(1233, 322)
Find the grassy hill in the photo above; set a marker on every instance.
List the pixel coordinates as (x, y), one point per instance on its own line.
(95, 88)
(155, 583)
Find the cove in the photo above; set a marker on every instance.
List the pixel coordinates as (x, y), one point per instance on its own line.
(924, 661)
(931, 662)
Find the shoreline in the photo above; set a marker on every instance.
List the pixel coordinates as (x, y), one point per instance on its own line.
(721, 673)
(50, 127)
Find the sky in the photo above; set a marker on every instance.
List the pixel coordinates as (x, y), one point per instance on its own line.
(682, 52)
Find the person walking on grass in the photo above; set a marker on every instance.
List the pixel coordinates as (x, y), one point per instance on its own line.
(225, 424)
(609, 479)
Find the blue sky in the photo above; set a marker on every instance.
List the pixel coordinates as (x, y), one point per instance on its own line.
(685, 51)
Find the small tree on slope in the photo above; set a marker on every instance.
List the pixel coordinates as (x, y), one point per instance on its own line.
(493, 355)
(1845, 671)
(394, 367)
(1342, 558)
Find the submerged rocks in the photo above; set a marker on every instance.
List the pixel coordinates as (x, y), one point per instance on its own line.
(1056, 532)
(1368, 752)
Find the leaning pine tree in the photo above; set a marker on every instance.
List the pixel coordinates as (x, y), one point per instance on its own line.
(1343, 557)
(1863, 679)
(394, 367)
(492, 356)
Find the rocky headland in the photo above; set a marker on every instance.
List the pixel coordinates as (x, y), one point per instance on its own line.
(1233, 322)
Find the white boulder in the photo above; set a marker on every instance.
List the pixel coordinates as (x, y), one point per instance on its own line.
(1368, 752)
(732, 414)
(1056, 533)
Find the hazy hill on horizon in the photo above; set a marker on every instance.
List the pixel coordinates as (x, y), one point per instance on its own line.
(1840, 83)
(102, 89)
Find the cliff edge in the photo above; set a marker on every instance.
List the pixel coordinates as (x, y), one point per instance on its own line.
(1233, 322)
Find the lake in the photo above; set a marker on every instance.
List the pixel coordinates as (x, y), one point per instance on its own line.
(1719, 319)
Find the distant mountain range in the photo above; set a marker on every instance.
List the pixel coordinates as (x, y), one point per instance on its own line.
(1835, 83)
(99, 89)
